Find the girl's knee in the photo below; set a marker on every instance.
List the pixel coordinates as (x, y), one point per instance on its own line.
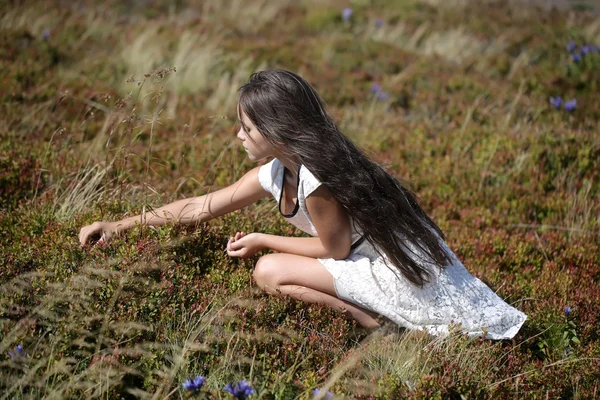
(266, 272)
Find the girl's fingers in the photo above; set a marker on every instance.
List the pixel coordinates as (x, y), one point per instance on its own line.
(236, 245)
(234, 253)
(84, 236)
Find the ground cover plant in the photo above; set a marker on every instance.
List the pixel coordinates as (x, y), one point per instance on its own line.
(490, 110)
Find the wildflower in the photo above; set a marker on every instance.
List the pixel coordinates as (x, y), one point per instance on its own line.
(346, 14)
(46, 34)
(193, 384)
(576, 57)
(240, 390)
(568, 311)
(328, 395)
(378, 23)
(376, 90)
(571, 105)
(17, 353)
(571, 46)
(556, 101)
(587, 49)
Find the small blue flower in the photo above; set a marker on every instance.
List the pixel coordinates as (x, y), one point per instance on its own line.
(568, 311)
(576, 57)
(588, 48)
(17, 353)
(556, 101)
(376, 90)
(240, 390)
(378, 23)
(571, 46)
(571, 105)
(194, 384)
(46, 34)
(383, 96)
(328, 395)
(346, 14)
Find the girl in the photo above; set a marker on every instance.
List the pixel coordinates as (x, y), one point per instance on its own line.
(373, 251)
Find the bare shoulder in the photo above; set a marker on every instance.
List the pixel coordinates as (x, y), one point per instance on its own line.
(331, 221)
(324, 209)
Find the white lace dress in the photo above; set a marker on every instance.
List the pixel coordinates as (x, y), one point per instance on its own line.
(452, 296)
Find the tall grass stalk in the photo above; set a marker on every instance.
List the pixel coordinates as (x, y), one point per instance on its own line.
(85, 188)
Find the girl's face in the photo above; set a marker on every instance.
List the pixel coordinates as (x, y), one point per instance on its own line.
(254, 143)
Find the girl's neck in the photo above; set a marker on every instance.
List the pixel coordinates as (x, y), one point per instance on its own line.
(290, 164)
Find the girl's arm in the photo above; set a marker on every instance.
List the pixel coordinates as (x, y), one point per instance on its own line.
(244, 192)
(331, 221)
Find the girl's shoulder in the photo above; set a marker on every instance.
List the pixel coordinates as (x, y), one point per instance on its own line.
(309, 182)
(268, 176)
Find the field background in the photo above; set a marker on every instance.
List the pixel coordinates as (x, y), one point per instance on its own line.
(111, 108)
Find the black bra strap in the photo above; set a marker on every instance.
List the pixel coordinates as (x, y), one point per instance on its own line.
(357, 243)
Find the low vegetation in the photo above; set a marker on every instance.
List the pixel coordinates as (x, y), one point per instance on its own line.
(488, 109)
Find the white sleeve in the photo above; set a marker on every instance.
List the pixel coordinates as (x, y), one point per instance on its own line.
(309, 181)
(267, 176)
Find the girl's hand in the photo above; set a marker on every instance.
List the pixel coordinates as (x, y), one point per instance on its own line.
(103, 230)
(244, 246)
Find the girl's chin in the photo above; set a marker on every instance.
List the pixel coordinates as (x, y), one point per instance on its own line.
(251, 157)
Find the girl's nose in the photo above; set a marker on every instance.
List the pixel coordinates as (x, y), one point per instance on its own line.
(241, 134)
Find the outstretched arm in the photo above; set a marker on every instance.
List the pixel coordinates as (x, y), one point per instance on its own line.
(244, 192)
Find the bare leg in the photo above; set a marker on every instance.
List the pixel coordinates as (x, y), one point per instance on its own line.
(306, 279)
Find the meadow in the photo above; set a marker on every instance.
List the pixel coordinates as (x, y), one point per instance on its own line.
(489, 109)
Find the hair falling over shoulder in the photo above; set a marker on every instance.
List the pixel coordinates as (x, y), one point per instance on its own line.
(291, 116)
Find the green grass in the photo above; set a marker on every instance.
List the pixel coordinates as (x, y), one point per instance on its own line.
(127, 106)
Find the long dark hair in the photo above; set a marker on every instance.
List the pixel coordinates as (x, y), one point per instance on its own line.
(291, 116)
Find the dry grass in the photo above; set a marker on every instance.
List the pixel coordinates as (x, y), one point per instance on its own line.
(149, 310)
(456, 45)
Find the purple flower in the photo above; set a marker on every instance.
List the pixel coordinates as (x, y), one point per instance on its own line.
(240, 390)
(576, 57)
(46, 34)
(571, 105)
(194, 384)
(383, 96)
(571, 46)
(376, 90)
(556, 101)
(17, 353)
(328, 395)
(378, 23)
(568, 311)
(346, 14)
(588, 48)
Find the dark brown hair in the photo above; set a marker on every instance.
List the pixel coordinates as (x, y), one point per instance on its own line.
(291, 116)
